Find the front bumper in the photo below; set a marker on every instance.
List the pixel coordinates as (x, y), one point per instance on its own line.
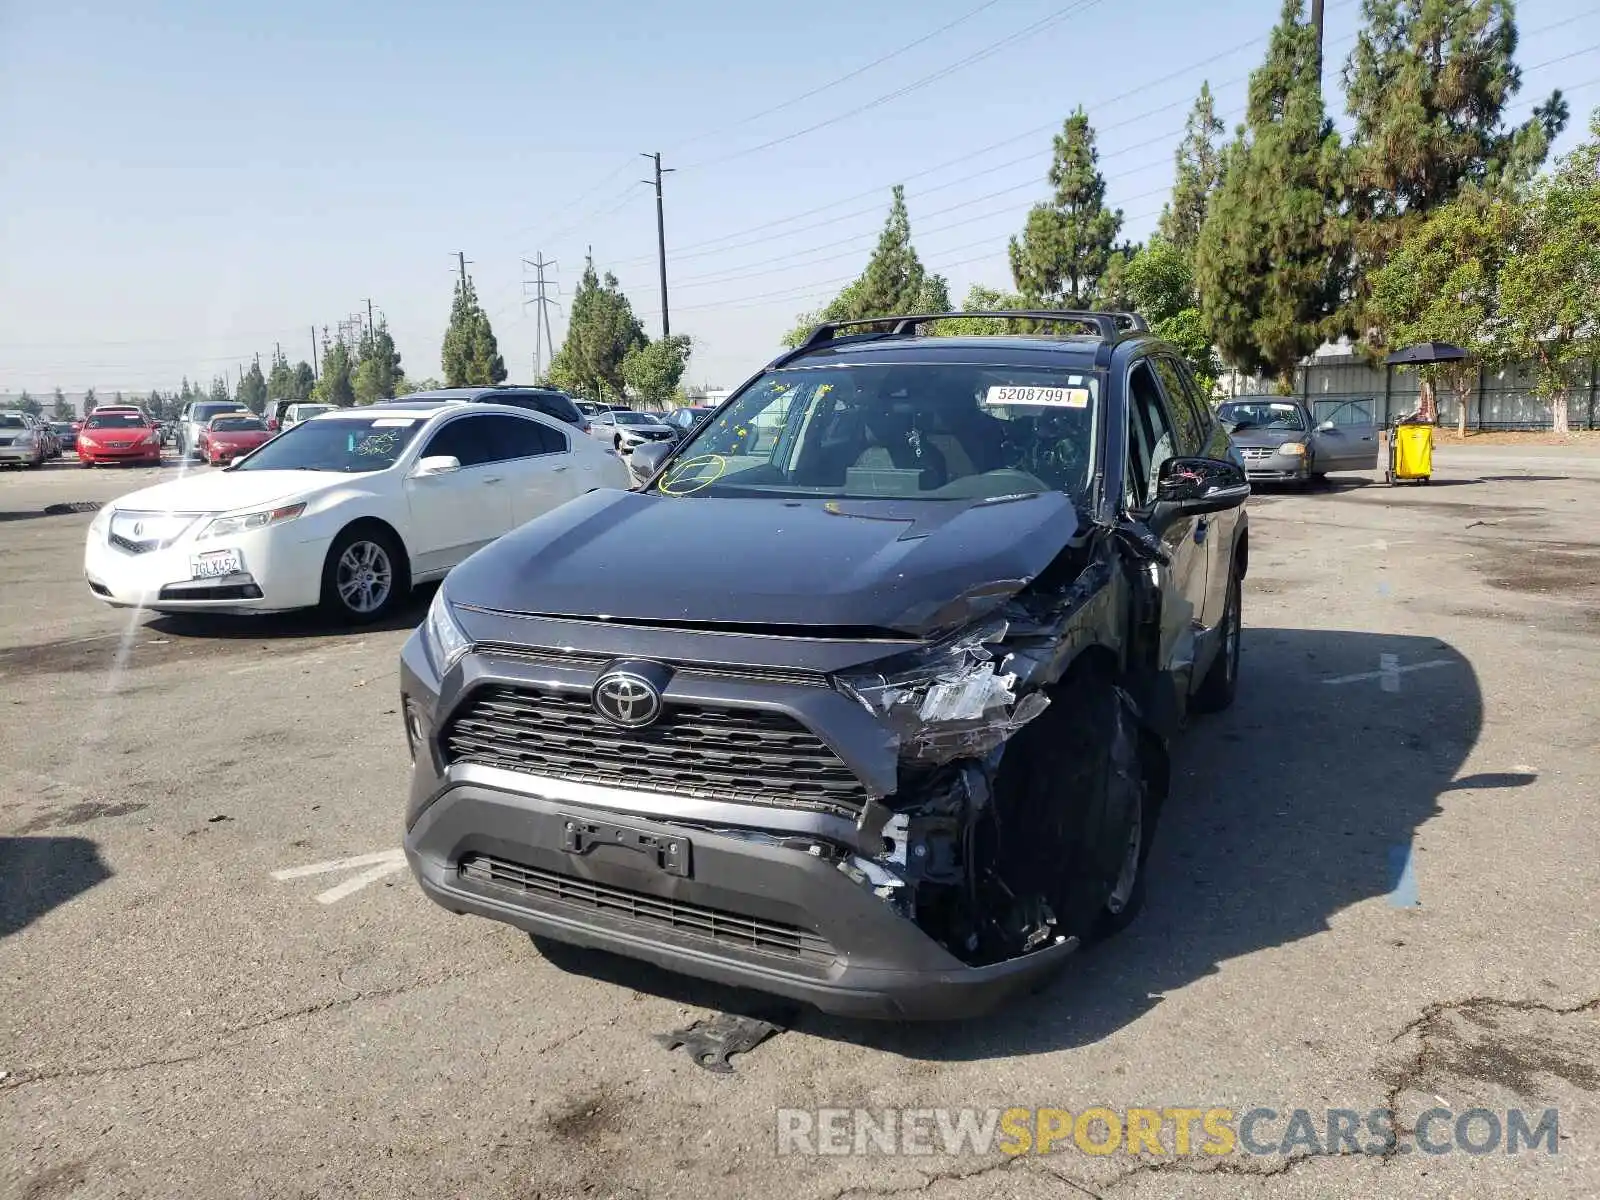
(20, 454)
(758, 899)
(1277, 468)
(279, 574)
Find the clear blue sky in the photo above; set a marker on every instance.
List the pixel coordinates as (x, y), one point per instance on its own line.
(186, 183)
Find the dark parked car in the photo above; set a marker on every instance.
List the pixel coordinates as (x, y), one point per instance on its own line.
(866, 698)
(684, 419)
(549, 401)
(66, 434)
(1280, 441)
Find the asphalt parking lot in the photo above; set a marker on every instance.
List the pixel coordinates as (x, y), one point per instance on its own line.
(1374, 887)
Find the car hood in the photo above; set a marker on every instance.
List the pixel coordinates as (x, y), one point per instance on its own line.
(904, 565)
(1268, 437)
(224, 491)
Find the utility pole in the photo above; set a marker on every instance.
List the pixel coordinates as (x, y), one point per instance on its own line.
(542, 337)
(461, 260)
(1316, 23)
(315, 358)
(370, 330)
(661, 234)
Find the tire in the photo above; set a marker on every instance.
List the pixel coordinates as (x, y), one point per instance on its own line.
(358, 550)
(1319, 479)
(1075, 813)
(1221, 684)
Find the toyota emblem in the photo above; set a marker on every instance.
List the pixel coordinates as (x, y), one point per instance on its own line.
(626, 699)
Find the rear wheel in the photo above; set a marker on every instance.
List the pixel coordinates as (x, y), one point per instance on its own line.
(1221, 683)
(364, 576)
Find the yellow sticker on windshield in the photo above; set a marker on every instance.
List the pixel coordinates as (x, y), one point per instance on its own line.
(1058, 397)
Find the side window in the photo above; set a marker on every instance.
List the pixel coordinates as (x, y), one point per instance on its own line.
(1198, 398)
(1150, 436)
(465, 439)
(1191, 435)
(519, 437)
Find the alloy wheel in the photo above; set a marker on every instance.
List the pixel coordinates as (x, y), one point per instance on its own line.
(364, 577)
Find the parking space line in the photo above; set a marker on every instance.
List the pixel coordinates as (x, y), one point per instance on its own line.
(1389, 671)
(1404, 893)
(341, 864)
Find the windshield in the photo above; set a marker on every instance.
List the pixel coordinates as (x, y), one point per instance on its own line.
(1263, 415)
(237, 424)
(932, 431)
(12, 421)
(337, 444)
(114, 421)
(634, 418)
(61, 426)
(304, 412)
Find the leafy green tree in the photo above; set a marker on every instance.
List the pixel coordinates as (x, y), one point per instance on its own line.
(894, 281)
(1067, 245)
(1428, 83)
(377, 372)
(1550, 279)
(601, 332)
(471, 355)
(89, 402)
(1269, 262)
(1199, 172)
(1440, 284)
(652, 371)
(1160, 282)
(27, 403)
(61, 410)
(408, 386)
(335, 386)
(153, 404)
(305, 381)
(252, 389)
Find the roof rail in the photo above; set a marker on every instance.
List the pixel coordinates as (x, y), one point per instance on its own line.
(1108, 325)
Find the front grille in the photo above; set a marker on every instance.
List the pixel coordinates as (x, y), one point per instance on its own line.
(5, 441)
(694, 750)
(693, 920)
(594, 660)
(129, 546)
(221, 591)
(1257, 453)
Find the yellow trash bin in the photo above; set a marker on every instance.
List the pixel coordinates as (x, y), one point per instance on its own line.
(1411, 453)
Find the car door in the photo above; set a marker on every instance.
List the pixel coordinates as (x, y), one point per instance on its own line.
(1153, 437)
(457, 512)
(1215, 530)
(538, 464)
(1346, 439)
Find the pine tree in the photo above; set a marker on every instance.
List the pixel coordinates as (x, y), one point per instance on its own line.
(89, 402)
(62, 409)
(601, 332)
(1199, 171)
(893, 283)
(471, 356)
(1269, 261)
(219, 389)
(252, 389)
(377, 373)
(1068, 244)
(280, 380)
(335, 386)
(1428, 83)
(305, 381)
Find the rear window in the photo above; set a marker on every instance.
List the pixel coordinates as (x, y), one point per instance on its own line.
(551, 404)
(237, 424)
(204, 412)
(115, 420)
(12, 421)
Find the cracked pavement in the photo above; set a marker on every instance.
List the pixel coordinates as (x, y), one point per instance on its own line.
(178, 1022)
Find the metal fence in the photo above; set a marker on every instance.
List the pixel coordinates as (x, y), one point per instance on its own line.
(1346, 388)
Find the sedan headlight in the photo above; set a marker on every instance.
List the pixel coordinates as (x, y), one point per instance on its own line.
(1292, 449)
(445, 640)
(228, 526)
(102, 519)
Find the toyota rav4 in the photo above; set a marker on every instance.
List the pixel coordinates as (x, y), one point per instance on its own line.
(864, 698)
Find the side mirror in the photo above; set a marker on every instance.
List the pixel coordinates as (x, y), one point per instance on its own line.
(439, 464)
(1326, 426)
(1191, 487)
(646, 460)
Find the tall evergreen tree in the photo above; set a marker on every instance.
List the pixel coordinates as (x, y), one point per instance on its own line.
(252, 389)
(1067, 245)
(219, 389)
(27, 403)
(894, 281)
(601, 332)
(1198, 159)
(1428, 83)
(62, 410)
(280, 379)
(1269, 262)
(471, 356)
(305, 381)
(89, 402)
(377, 373)
(335, 386)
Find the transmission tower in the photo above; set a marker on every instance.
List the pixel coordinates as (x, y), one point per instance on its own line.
(541, 297)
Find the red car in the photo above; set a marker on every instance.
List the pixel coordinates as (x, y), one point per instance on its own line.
(231, 435)
(120, 435)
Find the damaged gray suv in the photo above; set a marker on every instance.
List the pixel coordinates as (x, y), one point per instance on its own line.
(865, 697)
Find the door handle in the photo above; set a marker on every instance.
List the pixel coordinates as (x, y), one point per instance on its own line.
(492, 479)
(555, 470)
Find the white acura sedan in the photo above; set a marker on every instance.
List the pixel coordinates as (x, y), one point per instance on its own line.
(346, 510)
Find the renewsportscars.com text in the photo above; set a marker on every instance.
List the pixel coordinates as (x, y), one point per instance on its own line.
(1166, 1131)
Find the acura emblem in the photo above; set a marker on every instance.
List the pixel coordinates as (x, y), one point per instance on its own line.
(627, 699)
(138, 529)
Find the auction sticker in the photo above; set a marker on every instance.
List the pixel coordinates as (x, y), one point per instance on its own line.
(1058, 397)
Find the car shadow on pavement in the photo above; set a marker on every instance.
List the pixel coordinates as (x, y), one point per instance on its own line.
(1291, 807)
(37, 874)
(308, 623)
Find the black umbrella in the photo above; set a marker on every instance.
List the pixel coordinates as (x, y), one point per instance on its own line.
(1426, 352)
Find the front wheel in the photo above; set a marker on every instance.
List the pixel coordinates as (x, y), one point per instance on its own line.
(364, 576)
(1221, 684)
